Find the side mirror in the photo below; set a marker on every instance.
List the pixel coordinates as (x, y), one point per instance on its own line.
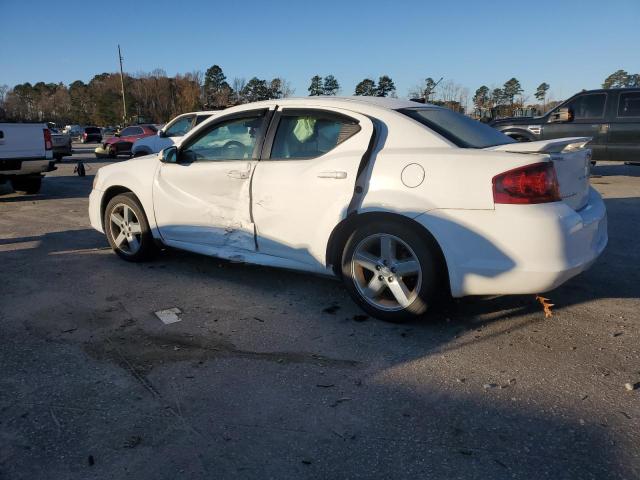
(561, 115)
(162, 134)
(169, 155)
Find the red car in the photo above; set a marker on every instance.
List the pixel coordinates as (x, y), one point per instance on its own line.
(122, 142)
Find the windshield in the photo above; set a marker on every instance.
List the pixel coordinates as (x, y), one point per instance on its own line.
(457, 128)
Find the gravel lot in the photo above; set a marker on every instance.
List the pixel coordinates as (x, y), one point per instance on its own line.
(273, 374)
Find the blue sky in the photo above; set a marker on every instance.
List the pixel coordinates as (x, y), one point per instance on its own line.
(569, 44)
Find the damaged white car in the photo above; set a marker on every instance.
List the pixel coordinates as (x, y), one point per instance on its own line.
(405, 202)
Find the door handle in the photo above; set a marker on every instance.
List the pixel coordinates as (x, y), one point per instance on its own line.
(333, 174)
(238, 174)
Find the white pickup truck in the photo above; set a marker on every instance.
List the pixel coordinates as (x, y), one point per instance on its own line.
(26, 152)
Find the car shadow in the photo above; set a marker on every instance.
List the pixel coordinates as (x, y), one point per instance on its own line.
(410, 427)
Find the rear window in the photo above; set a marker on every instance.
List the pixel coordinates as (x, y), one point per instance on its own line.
(92, 130)
(457, 128)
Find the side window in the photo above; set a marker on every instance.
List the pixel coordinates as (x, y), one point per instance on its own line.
(138, 131)
(629, 105)
(180, 127)
(311, 134)
(128, 132)
(201, 118)
(233, 139)
(588, 106)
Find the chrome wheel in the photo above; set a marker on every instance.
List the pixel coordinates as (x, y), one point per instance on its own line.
(386, 272)
(126, 230)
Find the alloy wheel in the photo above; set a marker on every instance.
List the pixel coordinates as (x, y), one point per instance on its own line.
(386, 272)
(126, 230)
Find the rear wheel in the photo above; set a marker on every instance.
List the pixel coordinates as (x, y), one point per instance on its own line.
(390, 271)
(28, 184)
(127, 229)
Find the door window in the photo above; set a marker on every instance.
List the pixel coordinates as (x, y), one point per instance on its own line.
(629, 105)
(311, 134)
(180, 127)
(233, 139)
(588, 106)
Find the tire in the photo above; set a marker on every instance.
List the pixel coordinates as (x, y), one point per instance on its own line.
(373, 287)
(58, 157)
(133, 241)
(27, 184)
(112, 152)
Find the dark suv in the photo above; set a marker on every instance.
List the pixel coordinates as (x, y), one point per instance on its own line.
(91, 135)
(610, 117)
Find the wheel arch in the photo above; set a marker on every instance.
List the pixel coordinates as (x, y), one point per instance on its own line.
(111, 192)
(342, 231)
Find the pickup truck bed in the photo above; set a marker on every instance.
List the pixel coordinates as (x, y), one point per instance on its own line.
(26, 152)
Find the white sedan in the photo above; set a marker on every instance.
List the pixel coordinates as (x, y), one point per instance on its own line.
(405, 202)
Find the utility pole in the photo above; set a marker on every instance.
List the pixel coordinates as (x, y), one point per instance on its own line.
(124, 102)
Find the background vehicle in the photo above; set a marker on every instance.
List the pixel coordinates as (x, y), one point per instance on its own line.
(121, 143)
(75, 131)
(91, 135)
(26, 151)
(403, 201)
(610, 117)
(170, 133)
(61, 143)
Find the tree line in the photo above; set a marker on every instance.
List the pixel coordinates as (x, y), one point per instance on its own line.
(156, 97)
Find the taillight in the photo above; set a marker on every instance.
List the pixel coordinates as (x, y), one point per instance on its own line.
(536, 183)
(48, 144)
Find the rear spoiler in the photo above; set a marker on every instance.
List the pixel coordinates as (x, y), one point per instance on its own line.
(555, 145)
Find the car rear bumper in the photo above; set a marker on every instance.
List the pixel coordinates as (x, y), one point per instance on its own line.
(518, 249)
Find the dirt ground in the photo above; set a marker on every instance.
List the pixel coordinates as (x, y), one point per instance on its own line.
(273, 374)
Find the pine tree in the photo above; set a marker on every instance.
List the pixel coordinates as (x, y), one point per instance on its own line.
(541, 93)
(316, 88)
(256, 90)
(330, 86)
(429, 87)
(386, 86)
(366, 87)
(481, 98)
(510, 89)
(617, 79)
(217, 91)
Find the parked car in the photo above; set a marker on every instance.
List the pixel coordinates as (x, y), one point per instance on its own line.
(121, 143)
(610, 117)
(74, 131)
(108, 131)
(26, 152)
(169, 134)
(61, 142)
(406, 202)
(91, 135)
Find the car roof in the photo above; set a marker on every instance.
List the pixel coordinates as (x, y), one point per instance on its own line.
(381, 102)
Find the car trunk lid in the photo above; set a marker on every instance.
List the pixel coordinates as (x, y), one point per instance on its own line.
(571, 161)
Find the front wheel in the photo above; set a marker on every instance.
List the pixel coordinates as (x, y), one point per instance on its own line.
(390, 271)
(30, 184)
(127, 229)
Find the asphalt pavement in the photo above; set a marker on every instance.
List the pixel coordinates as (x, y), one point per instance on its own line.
(274, 374)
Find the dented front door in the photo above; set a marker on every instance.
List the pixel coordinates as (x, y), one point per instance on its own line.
(204, 199)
